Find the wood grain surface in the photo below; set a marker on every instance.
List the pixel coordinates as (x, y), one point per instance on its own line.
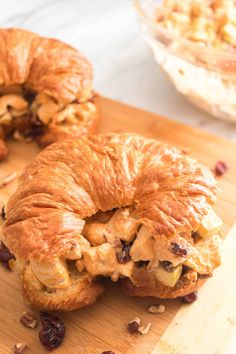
(103, 326)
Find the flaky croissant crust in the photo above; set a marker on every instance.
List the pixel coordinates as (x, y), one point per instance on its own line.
(72, 180)
(44, 65)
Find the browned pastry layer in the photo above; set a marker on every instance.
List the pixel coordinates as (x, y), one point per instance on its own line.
(189, 283)
(45, 89)
(82, 292)
(57, 227)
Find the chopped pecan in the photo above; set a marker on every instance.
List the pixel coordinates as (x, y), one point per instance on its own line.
(144, 329)
(19, 348)
(133, 325)
(28, 320)
(157, 308)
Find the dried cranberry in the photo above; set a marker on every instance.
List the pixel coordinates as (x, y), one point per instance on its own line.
(123, 256)
(178, 250)
(5, 256)
(133, 326)
(190, 298)
(220, 168)
(3, 214)
(168, 266)
(52, 334)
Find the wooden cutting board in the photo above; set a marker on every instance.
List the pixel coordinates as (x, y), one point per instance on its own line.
(205, 327)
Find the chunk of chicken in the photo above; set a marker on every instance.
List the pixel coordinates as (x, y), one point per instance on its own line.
(101, 260)
(143, 246)
(53, 274)
(206, 255)
(121, 226)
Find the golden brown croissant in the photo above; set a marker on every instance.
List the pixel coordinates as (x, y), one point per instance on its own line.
(113, 205)
(45, 89)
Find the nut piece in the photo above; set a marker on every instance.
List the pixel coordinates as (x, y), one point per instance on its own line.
(133, 325)
(144, 329)
(28, 320)
(158, 308)
(19, 348)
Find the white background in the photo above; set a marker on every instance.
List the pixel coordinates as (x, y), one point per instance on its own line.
(107, 32)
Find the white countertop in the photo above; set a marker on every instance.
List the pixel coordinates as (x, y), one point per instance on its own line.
(107, 32)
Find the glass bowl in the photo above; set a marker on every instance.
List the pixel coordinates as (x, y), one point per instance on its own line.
(206, 76)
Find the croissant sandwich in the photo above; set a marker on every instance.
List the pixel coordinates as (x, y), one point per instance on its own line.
(45, 90)
(112, 205)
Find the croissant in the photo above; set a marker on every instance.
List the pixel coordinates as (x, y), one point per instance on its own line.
(112, 205)
(45, 89)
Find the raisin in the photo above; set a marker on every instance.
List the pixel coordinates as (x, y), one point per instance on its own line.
(123, 256)
(52, 334)
(220, 168)
(189, 298)
(5, 256)
(3, 214)
(178, 250)
(29, 96)
(133, 326)
(108, 352)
